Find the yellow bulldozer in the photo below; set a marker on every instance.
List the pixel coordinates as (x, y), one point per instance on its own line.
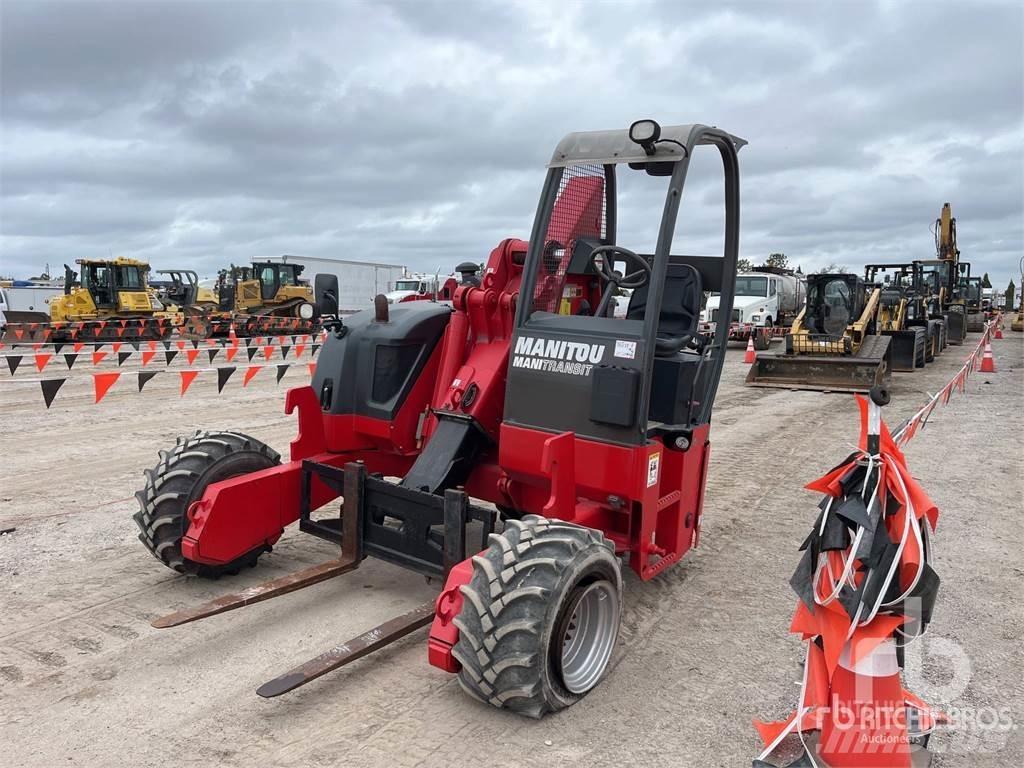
(249, 295)
(834, 344)
(112, 289)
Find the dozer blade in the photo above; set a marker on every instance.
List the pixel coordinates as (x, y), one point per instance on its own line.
(282, 586)
(828, 373)
(347, 652)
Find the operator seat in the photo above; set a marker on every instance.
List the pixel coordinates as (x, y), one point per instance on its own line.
(676, 381)
(680, 307)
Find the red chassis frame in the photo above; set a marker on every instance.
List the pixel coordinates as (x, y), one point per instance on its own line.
(657, 490)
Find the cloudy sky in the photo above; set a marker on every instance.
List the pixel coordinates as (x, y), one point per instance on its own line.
(201, 133)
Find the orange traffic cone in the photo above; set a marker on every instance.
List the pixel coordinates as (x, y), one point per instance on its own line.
(866, 723)
(988, 363)
(749, 356)
(999, 330)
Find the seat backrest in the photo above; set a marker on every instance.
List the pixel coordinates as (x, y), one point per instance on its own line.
(680, 302)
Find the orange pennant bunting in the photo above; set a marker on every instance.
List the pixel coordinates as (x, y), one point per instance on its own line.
(102, 382)
(187, 377)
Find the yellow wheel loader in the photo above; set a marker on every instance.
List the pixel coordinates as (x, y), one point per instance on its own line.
(834, 344)
(112, 290)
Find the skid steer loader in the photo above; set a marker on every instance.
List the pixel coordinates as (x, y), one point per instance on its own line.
(833, 345)
(589, 434)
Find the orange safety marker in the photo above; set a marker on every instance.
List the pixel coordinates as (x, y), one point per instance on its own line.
(750, 355)
(988, 362)
(866, 724)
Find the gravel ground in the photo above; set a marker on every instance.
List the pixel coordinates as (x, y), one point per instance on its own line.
(84, 679)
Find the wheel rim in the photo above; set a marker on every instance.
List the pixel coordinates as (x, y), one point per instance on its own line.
(589, 636)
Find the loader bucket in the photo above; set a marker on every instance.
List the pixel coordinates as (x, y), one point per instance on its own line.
(956, 322)
(827, 373)
(903, 348)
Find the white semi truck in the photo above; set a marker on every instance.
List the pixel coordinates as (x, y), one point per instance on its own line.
(765, 298)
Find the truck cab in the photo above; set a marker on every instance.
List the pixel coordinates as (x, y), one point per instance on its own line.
(415, 287)
(765, 298)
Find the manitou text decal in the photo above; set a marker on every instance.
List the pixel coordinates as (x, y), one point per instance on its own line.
(557, 355)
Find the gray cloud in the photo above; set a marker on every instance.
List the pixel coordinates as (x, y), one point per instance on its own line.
(416, 132)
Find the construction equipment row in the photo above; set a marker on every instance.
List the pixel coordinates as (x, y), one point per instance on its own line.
(853, 332)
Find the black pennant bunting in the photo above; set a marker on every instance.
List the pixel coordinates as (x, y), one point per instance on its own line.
(195, 343)
(135, 346)
(223, 374)
(314, 349)
(284, 351)
(121, 357)
(251, 351)
(167, 344)
(170, 354)
(70, 359)
(50, 387)
(57, 347)
(13, 361)
(145, 376)
(281, 368)
(248, 343)
(213, 353)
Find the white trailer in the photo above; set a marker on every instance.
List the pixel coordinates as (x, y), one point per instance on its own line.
(358, 281)
(26, 303)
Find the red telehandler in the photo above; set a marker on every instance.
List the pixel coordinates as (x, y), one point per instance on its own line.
(588, 433)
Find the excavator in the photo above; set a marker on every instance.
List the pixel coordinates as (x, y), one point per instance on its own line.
(834, 344)
(941, 277)
(115, 289)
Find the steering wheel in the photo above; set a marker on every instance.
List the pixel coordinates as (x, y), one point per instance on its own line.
(606, 271)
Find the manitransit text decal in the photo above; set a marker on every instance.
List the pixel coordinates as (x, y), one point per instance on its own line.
(557, 355)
